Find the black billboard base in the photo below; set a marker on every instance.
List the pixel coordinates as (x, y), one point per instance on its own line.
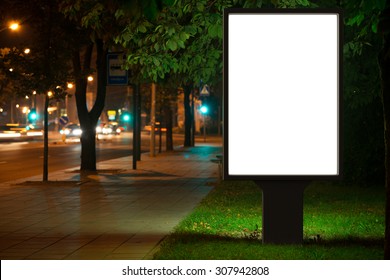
(282, 211)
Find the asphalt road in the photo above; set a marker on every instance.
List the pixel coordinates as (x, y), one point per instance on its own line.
(25, 159)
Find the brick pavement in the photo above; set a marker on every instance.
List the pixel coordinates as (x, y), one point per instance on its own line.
(115, 213)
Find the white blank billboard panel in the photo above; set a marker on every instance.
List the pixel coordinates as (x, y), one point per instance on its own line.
(282, 90)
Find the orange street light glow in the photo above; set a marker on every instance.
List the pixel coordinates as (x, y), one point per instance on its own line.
(14, 26)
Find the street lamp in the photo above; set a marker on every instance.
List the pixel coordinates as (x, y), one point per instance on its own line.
(25, 111)
(34, 100)
(13, 26)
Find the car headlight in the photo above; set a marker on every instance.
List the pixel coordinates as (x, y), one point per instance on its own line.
(107, 130)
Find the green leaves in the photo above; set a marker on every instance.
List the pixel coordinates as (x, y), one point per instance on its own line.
(215, 30)
(183, 36)
(290, 3)
(93, 17)
(171, 44)
(185, 39)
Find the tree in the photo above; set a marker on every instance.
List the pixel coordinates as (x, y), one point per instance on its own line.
(84, 18)
(44, 69)
(167, 94)
(184, 42)
(99, 22)
(374, 17)
(384, 63)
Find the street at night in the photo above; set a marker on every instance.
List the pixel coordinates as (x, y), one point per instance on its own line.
(25, 159)
(254, 132)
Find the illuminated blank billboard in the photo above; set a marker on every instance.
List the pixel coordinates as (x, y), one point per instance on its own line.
(282, 94)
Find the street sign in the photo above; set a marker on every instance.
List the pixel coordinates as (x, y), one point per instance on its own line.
(282, 94)
(64, 120)
(115, 74)
(111, 115)
(205, 91)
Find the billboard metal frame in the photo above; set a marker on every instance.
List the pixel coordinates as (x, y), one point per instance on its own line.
(281, 177)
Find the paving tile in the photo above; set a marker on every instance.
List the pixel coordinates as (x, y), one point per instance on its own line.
(122, 215)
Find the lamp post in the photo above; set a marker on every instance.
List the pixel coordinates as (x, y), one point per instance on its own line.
(34, 100)
(70, 86)
(48, 95)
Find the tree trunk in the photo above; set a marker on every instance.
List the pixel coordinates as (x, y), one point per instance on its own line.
(88, 120)
(187, 117)
(384, 62)
(169, 125)
(88, 148)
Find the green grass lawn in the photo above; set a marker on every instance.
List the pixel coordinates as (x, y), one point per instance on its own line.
(340, 222)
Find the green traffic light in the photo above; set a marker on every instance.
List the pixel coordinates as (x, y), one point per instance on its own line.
(33, 116)
(204, 109)
(126, 117)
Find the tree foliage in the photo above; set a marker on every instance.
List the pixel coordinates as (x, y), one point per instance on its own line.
(185, 39)
(99, 22)
(364, 147)
(374, 16)
(45, 67)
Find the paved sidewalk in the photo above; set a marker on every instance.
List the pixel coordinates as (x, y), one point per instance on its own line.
(115, 213)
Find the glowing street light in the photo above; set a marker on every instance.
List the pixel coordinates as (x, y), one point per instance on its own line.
(34, 100)
(13, 26)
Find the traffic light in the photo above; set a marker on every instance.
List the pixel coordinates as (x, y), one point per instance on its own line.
(32, 115)
(204, 109)
(126, 116)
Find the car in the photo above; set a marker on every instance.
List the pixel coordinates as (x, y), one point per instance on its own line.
(22, 132)
(71, 130)
(7, 132)
(109, 128)
(157, 127)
